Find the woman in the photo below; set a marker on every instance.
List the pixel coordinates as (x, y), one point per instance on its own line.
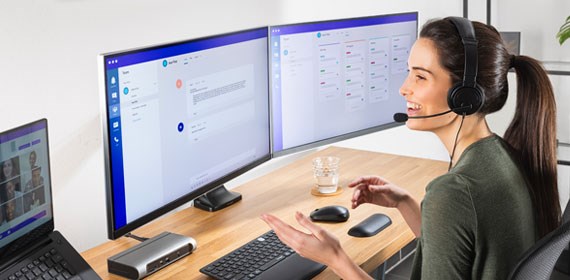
(477, 220)
(9, 169)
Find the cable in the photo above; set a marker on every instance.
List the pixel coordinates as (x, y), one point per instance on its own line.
(455, 143)
(141, 239)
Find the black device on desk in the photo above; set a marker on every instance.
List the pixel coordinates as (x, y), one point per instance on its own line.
(30, 248)
(370, 226)
(331, 214)
(265, 257)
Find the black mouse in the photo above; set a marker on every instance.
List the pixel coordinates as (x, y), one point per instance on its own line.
(333, 213)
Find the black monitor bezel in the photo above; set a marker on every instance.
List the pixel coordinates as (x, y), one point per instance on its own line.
(113, 233)
(341, 137)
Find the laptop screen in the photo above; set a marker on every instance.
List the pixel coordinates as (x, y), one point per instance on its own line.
(25, 191)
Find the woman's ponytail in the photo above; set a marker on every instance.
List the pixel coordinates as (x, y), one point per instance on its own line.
(532, 133)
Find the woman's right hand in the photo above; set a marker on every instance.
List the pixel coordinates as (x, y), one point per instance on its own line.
(376, 190)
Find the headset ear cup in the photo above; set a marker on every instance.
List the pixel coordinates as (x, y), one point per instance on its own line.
(461, 96)
(451, 96)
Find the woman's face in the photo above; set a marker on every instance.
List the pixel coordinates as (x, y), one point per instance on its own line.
(32, 159)
(426, 87)
(7, 168)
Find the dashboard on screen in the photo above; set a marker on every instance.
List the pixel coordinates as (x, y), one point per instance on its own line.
(334, 80)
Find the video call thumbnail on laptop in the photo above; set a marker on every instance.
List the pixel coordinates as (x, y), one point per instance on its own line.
(30, 248)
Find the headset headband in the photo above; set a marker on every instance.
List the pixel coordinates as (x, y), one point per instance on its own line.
(467, 33)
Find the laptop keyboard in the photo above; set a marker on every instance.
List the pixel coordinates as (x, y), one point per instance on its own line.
(250, 260)
(50, 265)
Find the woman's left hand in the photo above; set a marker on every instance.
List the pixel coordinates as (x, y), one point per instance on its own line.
(320, 245)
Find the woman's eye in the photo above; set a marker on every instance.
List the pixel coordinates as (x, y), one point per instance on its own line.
(419, 77)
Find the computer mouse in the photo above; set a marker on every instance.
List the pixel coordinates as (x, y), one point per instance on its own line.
(333, 213)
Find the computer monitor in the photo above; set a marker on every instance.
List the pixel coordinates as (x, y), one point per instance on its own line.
(180, 120)
(26, 210)
(333, 80)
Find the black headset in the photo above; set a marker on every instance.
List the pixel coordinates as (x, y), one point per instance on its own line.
(466, 97)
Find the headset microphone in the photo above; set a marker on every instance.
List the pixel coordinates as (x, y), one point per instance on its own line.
(402, 117)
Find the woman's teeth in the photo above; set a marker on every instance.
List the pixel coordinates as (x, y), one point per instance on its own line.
(414, 106)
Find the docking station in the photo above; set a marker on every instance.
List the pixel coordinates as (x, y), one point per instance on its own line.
(151, 255)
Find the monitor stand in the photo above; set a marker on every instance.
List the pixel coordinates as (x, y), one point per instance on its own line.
(216, 199)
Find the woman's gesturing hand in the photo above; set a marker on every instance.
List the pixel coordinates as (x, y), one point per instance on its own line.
(376, 190)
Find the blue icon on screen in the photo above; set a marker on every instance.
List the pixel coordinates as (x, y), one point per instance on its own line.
(285, 52)
(126, 91)
(319, 35)
(164, 63)
(180, 127)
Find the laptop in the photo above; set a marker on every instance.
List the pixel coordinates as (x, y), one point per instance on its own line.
(30, 248)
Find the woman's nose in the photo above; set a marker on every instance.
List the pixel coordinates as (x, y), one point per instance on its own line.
(405, 90)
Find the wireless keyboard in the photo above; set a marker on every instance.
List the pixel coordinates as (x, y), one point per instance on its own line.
(265, 257)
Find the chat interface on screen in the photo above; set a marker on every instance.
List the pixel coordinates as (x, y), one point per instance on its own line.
(183, 116)
(25, 199)
(338, 77)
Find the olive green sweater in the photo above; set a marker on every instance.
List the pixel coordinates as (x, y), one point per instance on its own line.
(477, 220)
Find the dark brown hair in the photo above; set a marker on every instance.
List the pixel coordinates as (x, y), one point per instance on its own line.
(532, 132)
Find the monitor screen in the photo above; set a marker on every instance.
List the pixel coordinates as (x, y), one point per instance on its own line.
(181, 119)
(334, 80)
(25, 189)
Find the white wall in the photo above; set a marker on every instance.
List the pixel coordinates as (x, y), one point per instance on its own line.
(48, 68)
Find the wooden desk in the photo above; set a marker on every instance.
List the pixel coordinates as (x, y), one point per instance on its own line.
(283, 192)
